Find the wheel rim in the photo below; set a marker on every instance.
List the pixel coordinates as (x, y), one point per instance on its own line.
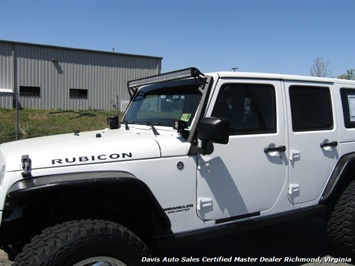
(100, 261)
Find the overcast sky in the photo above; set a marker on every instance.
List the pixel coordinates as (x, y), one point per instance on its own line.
(277, 36)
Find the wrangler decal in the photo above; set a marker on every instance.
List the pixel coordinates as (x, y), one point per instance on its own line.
(92, 158)
(181, 208)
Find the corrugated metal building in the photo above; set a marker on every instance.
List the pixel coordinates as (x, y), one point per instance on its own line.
(52, 77)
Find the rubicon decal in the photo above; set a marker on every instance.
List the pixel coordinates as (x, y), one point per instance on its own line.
(92, 158)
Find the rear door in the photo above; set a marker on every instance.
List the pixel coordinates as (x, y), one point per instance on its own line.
(245, 176)
(313, 139)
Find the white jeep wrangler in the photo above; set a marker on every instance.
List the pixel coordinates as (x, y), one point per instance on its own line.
(194, 155)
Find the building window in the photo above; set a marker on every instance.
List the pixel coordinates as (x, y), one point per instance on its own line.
(311, 108)
(30, 91)
(78, 94)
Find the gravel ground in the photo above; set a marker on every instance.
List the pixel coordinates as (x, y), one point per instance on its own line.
(303, 239)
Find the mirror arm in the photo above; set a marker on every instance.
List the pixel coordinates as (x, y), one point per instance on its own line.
(205, 149)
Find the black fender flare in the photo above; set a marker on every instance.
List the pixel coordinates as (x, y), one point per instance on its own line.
(23, 189)
(339, 176)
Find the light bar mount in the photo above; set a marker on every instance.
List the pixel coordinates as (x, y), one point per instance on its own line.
(191, 72)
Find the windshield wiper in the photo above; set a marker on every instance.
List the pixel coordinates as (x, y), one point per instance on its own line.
(155, 132)
(126, 125)
(125, 122)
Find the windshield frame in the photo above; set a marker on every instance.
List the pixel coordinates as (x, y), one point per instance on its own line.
(168, 94)
(204, 86)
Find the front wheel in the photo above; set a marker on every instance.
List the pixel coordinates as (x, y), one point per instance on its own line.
(84, 243)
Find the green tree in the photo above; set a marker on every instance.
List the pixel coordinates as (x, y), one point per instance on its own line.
(320, 68)
(350, 74)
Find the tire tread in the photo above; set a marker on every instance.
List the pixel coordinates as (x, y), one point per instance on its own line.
(341, 223)
(45, 248)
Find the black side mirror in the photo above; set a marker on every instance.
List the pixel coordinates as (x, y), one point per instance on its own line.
(113, 122)
(212, 130)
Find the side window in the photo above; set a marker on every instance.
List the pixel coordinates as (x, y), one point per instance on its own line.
(311, 108)
(250, 108)
(348, 102)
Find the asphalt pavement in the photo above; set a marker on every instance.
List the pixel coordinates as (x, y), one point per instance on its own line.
(300, 242)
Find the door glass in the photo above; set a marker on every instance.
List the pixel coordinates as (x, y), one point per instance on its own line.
(249, 107)
(311, 108)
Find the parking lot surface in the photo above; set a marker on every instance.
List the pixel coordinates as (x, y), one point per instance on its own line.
(292, 243)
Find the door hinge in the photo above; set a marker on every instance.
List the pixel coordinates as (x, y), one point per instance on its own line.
(293, 189)
(204, 203)
(294, 155)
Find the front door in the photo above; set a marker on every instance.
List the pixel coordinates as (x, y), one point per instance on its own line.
(245, 176)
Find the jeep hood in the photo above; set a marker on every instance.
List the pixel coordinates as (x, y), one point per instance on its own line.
(92, 147)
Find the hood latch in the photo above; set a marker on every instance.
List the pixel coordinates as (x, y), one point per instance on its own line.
(26, 166)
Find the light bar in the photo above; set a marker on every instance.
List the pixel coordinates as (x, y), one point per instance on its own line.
(174, 75)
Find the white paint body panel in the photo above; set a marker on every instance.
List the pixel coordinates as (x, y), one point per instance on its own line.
(236, 180)
(240, 177)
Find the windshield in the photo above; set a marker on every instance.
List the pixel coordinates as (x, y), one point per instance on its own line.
(164, 103)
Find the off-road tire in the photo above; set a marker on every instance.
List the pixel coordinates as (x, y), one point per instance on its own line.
(341, 223)
(71, 242)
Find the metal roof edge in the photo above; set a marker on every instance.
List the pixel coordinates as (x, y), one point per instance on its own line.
(77, 49)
